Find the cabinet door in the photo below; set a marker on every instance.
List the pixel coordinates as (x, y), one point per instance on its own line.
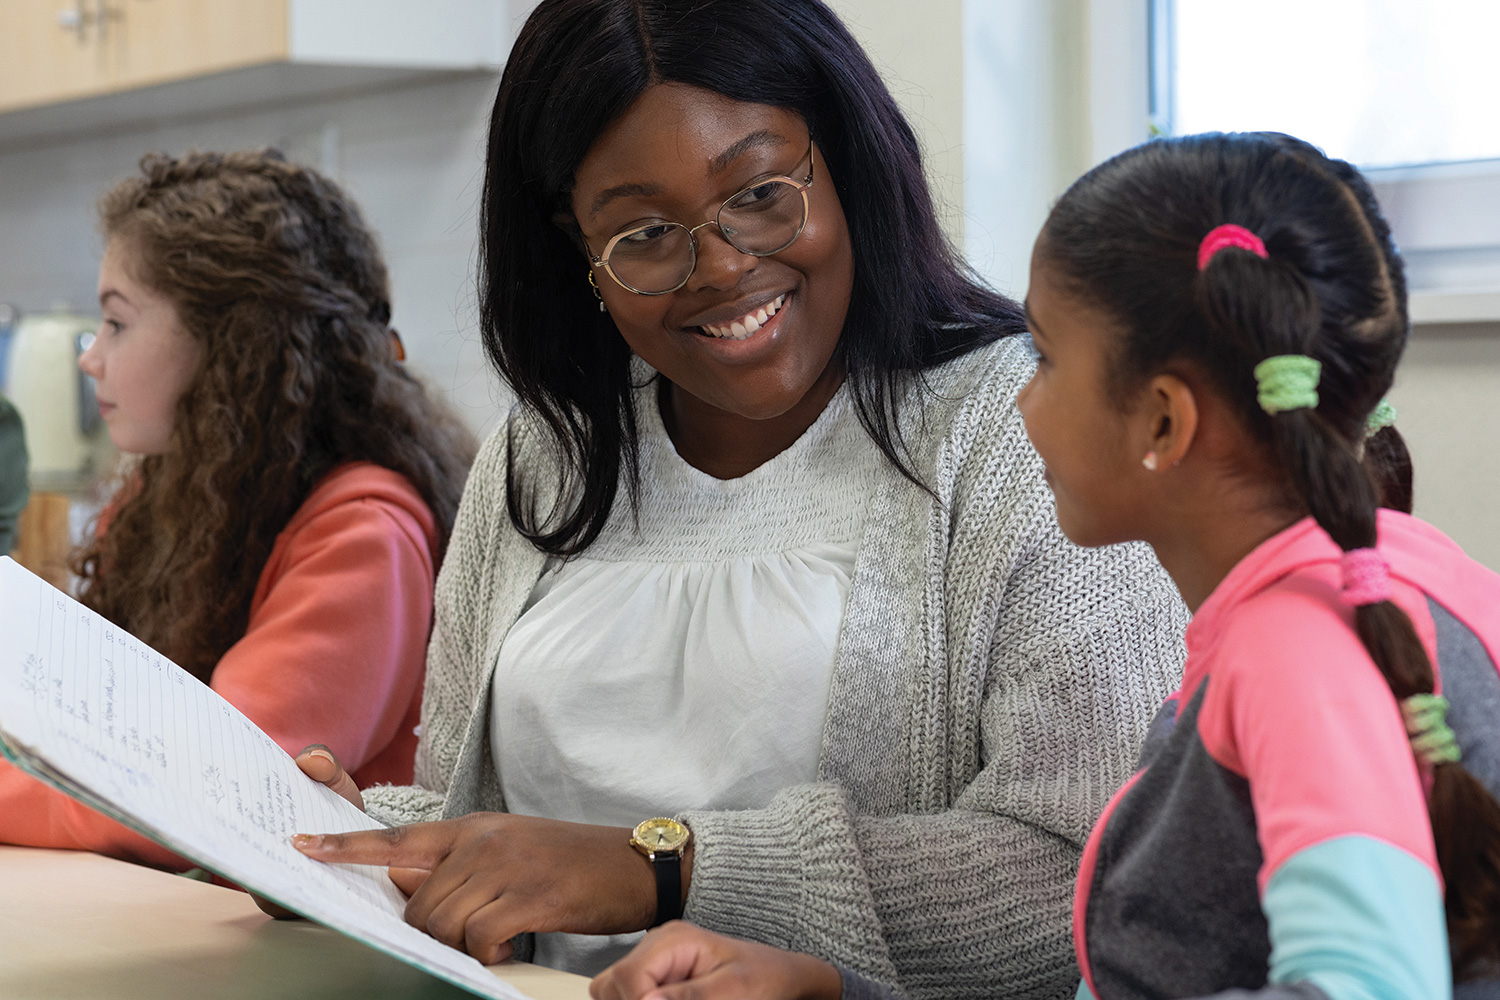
(153, 41)
(43, 60)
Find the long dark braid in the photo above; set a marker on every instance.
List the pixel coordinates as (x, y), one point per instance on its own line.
(1329, 287)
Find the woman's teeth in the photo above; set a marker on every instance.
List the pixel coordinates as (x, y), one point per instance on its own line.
(748, 324)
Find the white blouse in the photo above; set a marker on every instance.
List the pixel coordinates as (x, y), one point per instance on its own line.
(683, 661)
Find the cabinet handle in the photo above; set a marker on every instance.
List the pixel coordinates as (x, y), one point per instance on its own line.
(79, 18)
(105, 15)
(75, 20)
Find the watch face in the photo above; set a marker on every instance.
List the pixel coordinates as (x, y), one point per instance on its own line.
(662, 835)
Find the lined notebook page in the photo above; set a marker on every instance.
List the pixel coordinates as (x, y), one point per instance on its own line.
(92, 710)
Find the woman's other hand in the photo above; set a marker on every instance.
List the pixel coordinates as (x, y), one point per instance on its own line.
(319, 764)
(477, 881)
(681, 962)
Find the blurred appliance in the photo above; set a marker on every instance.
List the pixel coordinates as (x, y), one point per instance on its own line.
(55, 399)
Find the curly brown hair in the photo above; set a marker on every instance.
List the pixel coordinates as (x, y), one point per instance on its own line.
(272, 268)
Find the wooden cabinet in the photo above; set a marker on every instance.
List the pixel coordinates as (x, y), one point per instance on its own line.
(59, 50)
(153, 41)
(41, 60)
(80, 56)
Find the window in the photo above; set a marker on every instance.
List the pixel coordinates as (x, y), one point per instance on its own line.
(1376, 82)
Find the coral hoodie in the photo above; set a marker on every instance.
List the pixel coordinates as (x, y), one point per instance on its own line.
(334, 653)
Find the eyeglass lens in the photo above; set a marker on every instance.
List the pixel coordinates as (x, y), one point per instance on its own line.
(760, 220)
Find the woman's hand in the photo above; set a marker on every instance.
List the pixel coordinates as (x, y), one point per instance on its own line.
(319, 764)
(678, 961)
(481, 879)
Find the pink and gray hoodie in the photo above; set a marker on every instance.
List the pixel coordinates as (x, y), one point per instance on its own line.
(1275, 843)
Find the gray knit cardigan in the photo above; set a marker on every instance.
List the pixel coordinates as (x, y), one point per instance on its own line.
(991, 686)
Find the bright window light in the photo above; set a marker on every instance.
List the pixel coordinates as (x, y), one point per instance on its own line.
(1376, 82)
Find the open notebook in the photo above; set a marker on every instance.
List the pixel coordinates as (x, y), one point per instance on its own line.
(92, 710)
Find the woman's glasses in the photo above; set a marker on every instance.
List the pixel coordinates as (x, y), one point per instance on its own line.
(659, 257)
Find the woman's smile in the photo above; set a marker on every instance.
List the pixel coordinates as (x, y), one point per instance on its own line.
(747, 339)
(746, 324)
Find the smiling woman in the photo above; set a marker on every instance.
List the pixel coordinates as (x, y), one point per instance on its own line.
(763, 546)
(742, 388)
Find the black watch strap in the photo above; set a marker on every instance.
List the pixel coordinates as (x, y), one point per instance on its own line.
(668, 869)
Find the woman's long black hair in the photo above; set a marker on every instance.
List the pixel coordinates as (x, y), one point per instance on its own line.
(576, 67)
(1126, 238)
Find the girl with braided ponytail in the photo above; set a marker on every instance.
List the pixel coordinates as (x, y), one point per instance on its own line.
(291, 486)
(1217, 320)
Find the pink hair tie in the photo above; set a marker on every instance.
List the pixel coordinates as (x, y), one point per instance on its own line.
(1228, 235)
(1367, 577)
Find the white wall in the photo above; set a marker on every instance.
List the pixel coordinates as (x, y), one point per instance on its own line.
(1011, 100)
(413, 157)
(918, 49)
(1051, 87)
(1447, 396)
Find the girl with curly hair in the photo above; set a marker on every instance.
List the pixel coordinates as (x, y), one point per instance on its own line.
(293, 488)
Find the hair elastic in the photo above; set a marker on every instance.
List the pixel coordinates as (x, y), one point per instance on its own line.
(1287, 382)
(1384, 415)
(1426, 718)
(1367, 577)
(1228, 235)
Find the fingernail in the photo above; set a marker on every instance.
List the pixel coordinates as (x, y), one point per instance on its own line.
(321, 753)
(307, 842)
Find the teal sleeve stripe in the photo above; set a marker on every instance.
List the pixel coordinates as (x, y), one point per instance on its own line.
(1361, 920)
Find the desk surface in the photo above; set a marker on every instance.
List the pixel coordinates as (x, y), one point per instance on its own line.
(76, 925)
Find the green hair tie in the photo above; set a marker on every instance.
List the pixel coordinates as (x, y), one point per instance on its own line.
(1427, 727)
(1287, 382)
(1384, 415)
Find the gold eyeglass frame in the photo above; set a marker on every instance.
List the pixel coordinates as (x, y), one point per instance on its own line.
(801, 187)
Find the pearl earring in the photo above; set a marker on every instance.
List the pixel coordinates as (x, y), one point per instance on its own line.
(1150, 461)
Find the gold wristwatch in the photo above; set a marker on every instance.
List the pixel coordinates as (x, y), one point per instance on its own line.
(663, 841)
